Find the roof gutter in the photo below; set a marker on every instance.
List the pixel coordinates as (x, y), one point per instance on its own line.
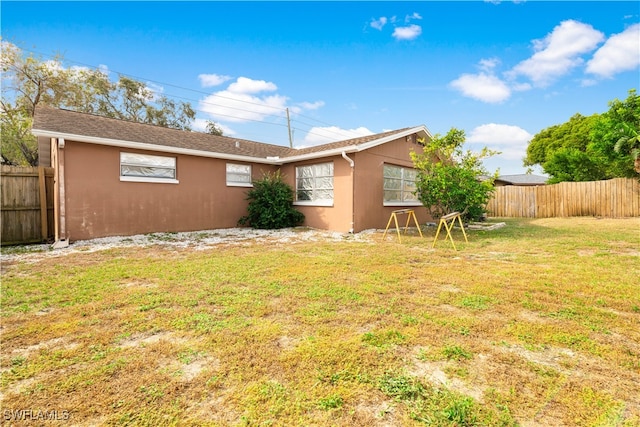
(348, 159)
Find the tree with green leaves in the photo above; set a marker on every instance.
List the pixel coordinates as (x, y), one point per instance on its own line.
(451, 179)
(213, 128)
(28, 81)
(629, 143)
(601, 146)
(562, 151)
(615, 137)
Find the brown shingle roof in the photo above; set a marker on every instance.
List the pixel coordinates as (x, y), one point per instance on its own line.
(59, 121)
(348, 142)
(84, 124)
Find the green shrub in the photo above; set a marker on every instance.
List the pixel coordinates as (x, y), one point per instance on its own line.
(451, 179)
(271, 204)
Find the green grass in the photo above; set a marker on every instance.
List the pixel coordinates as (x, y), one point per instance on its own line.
(533, 323)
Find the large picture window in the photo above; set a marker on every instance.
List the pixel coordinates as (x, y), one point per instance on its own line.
(314, 184)
(399, 186)
(147, 168)
(238, 175)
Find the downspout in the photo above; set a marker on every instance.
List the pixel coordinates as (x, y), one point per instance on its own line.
(353, 189)
(57, 158)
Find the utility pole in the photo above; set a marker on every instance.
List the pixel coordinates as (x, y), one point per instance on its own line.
(289, 128)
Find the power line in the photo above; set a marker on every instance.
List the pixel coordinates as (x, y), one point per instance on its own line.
(155, 81)
(282, 111)
(208, 94)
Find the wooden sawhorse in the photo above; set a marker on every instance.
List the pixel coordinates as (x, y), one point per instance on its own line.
(394, 217)
(449, 221)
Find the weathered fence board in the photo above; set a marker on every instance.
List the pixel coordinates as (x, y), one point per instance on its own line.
(614, 198)
(22, 193)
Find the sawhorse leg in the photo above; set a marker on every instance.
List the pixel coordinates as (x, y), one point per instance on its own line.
(393, 217)
(448, 230)
(461, 228)
(412, 214)
(448, 227)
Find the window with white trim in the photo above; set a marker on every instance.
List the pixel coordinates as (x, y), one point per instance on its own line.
(314, 184)
(147, 168)
(399, 186)
(238, 175)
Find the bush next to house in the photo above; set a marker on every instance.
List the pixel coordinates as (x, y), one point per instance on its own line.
(271, 204)
(451, 179)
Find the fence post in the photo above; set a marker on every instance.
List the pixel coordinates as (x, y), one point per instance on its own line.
(43, 203)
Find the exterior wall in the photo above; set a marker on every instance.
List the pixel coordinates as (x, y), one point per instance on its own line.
(337, 217)
(370, 211)
(98, 204)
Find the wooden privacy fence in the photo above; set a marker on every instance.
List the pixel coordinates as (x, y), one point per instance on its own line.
(26, 204)
(615, 198)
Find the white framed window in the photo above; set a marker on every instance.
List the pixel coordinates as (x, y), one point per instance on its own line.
(238, 175)
(314, 184)
(399, 186)
(147, 168)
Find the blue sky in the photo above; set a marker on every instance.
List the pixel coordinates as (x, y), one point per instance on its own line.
(500, 71)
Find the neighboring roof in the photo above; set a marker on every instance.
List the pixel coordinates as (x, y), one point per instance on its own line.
(523, 179)
(59, 123)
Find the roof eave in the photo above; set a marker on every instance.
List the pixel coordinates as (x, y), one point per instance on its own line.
(320, 154)
(354, 148)
(154, 147)
(411, 131)
(357, 147)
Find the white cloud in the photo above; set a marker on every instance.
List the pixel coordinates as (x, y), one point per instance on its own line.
(242, 101)
(209, 80)
(621, 52)
(246, 99)
(498, 134)
(378, 24)
(245, 85)
(415, 15)
(555, 56)
(483, 87)
(510, 140)
(407, 33)
(233, 107)
(324, 135)
(488, 64)
(308, 106)
(559, 52)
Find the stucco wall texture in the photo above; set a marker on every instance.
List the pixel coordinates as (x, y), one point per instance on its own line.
(98, 204)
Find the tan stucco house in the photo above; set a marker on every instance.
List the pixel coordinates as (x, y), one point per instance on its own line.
(114, 177)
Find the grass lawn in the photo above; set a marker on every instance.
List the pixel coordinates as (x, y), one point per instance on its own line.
(535, 323)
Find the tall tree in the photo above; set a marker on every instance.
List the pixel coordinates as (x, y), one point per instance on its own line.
(561, 150)
(615, 136)
(600, 146)
(629, 143)
(28, 81)
(451, 179)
